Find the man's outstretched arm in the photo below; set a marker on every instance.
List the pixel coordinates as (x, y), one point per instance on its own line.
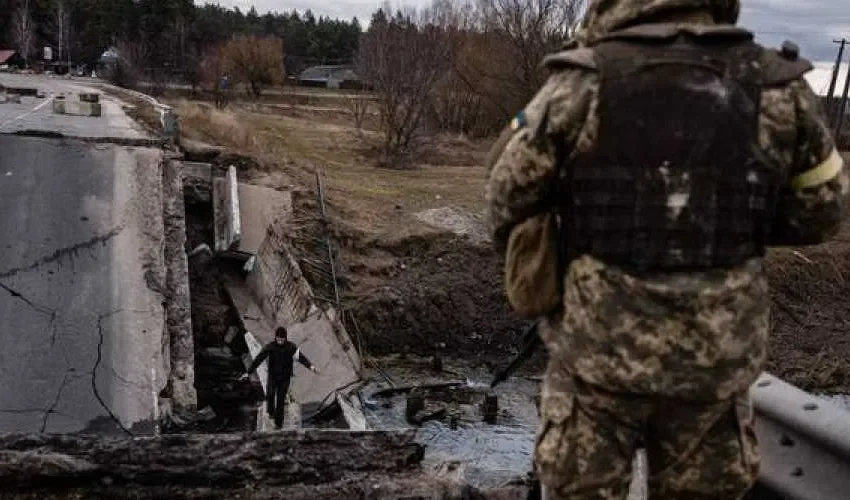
(301, 358)
(264, 353)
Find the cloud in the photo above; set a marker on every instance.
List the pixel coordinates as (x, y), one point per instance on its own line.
(342, 9)
(812, 24)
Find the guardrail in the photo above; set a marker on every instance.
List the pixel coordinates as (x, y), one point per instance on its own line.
(167, 117)
(804, 442)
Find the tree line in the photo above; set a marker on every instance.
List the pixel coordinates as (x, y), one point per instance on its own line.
(168, 35)
(451, 66)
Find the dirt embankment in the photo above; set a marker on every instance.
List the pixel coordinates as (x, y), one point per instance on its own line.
(810, 343)
(438, 294)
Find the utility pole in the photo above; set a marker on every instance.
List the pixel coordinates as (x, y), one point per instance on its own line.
(830, 95)
(843, 106)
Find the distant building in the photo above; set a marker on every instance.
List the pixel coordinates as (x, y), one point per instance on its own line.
(335, 77)
(11, 59)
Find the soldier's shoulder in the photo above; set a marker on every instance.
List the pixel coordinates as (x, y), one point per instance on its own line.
(784, 65)
(572, 58)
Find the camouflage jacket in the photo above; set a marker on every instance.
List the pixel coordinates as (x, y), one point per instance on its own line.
(699, 335)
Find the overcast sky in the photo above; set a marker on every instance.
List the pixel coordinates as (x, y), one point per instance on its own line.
(813, 24)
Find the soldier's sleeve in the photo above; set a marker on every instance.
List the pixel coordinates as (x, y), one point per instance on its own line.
(817, 199)
(522, 163)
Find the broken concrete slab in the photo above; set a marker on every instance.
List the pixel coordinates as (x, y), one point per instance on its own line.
(260, 207)
(198, 181)
(254, 347)
(317, 340)
(178, 308)
(250, 315)
(227, 221)
(282, 292)
(198, 171)
(315, 337)
(352, 412)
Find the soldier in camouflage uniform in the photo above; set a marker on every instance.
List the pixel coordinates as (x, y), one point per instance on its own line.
(675, 150)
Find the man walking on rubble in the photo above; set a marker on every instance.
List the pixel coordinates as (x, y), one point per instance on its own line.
(673, 150)
(282, 355)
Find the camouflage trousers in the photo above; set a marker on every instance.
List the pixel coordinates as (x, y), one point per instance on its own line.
(588, 439)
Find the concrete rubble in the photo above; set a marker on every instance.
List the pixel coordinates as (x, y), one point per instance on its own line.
(180, 348)
(294, 465)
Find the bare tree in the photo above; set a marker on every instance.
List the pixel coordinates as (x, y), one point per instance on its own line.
(213, 74)
(131, 67)
(522, 32)
(358, 106)
(59, 27)
(255, 61)
(404, 59)
(24, 30)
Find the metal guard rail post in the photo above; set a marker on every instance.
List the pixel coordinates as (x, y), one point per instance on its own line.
(804, 442)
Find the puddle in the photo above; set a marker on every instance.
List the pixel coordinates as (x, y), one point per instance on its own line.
(488, 455)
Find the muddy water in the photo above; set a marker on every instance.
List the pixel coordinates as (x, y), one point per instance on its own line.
(484, 455)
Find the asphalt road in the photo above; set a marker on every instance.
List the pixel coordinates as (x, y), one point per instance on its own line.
(81, 234)
(36, 114)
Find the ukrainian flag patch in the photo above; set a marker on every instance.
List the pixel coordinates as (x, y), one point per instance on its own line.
(519, 121)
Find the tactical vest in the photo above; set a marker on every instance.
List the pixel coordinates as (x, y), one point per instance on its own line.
(676, 180)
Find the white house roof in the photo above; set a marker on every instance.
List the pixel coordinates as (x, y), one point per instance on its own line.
(820, 77)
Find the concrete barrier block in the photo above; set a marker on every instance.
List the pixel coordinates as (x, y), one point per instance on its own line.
(59, 105)
(90, 97)
(62, 106)
(168, 119)
(85, 109)
(27, 91)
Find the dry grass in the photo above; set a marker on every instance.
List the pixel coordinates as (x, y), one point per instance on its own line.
(203, 121)
(374, 200)
(142, 111)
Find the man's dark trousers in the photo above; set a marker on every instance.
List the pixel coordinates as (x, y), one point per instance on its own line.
(277, 388)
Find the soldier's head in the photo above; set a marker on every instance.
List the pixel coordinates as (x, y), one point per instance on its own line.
(604, 16)
(280, 335)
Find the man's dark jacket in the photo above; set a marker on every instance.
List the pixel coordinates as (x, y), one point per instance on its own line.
(281, 359)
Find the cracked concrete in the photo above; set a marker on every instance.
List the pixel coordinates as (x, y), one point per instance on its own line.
(69, 251)
(81, 236)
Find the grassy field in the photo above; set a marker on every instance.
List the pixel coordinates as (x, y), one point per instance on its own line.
(293, 146)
